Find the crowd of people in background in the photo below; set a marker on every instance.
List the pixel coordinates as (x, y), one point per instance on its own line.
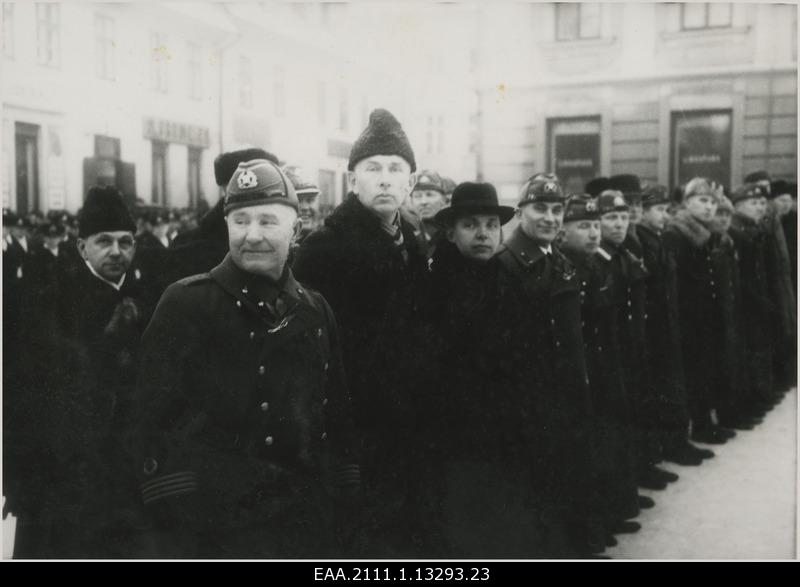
(422, 373)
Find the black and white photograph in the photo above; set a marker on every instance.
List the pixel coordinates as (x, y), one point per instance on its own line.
(399, 281)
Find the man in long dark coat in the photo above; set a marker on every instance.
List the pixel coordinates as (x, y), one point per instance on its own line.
(242, 433)
(368, 265)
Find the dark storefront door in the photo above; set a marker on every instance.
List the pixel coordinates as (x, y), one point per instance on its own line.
(27, 167)
(574, 146)
(701, 146)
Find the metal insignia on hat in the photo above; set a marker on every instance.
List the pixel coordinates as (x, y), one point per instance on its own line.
(619, 201)
(550, 186)
(591, 206)
(247, 180)
(424, 179)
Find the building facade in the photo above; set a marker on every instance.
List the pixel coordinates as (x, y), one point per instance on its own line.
(145, 95)
(666, 91)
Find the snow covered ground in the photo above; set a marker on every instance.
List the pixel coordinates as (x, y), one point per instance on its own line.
(742, 504)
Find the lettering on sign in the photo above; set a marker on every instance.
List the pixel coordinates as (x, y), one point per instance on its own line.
(176, 132)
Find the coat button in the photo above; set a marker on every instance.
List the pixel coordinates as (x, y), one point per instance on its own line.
(244, 289)
(262, 370)
(264, 406)
(319, 332)
(238, 304)
(630, 317)
(269, 440)
(326, 366)
(300, 291)
(150, 466)
(324, 436)
(558, 344)
(599, 348)
(252, 335)
(325, 402)
(261, 304)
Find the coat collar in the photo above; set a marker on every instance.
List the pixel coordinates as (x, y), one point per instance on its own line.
(234, 281)
(690, 227)
(525, 249)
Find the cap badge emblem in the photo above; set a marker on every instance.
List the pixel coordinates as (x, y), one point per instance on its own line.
(247, 180)
(550, 187)
(591, 206)
(424, 179)
(619, 201)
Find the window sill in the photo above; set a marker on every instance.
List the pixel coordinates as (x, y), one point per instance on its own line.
(601, 43)
(705, 33)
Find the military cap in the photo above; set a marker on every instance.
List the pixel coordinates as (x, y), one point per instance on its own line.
(612, 201)
(429, 180)
(655, 194)
(747, 191)
(303, 186)
(541, 187)
(700, 186)
(581, 207)
(448, 184)
(259, 182)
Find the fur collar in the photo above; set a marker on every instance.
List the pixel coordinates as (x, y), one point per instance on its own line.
(690, 227)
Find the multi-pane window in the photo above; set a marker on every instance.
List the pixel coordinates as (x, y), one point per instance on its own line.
(706, 15)
(48, 34)
(8, 29)
(245, 82)
(159, 62)
(577, 21)
(104, 47)
(194, 71)
(279, 91)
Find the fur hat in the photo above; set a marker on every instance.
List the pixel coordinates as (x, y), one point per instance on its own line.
(383, 136)
(104, 211)
(597, 186)
(226, 163)
(630, 185)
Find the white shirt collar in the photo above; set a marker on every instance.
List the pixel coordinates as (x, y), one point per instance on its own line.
(548, 250)
(23, 242)
(116, 286)
(603, 253)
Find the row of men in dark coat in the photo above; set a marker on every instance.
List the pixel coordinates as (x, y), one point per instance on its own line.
(502, 398)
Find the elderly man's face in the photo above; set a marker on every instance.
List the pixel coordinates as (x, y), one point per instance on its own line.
(260, 237)
(427, 203)
(109, 253)
(541, 221)
(382, 183)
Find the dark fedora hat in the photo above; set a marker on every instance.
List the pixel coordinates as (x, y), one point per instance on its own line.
(473, 198)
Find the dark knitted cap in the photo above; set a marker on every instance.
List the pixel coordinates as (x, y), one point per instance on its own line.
(781, 187)
(383, 136)
(259, 182)
(612, 201)
(541, 187)
(596, 186)
(104, 211)
(581, 207)
(429, 180)
(473, 198)
(655, 194)
(762, 178)
(226, 163)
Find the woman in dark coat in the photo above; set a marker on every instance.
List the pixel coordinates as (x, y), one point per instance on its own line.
(477, 432)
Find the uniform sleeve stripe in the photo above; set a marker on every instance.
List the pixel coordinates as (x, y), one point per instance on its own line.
(180, 490)
(182, 476)
(168, 487)
(169, 490)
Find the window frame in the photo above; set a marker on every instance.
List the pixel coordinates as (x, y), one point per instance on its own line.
(48, 32)
(706, 18)
(105, 65)
(581, 36)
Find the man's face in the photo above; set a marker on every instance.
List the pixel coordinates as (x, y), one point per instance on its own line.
(722, 220)
(308, 209)
(582, 236)
(382, 183)
(636, 212)
(783, 204)
(702, 207)
(109, 253)
(427, 203)
(614, 226)
(753, 208)
(541, 221)
(655, 216)
(260, 236)
(476, 236)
